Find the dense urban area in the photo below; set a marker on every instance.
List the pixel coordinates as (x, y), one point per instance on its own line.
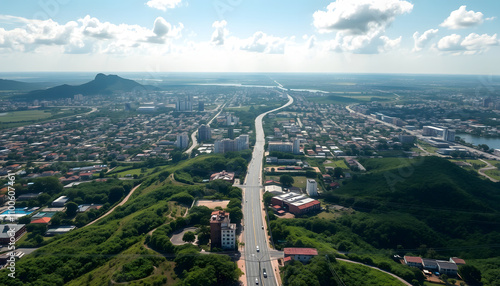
(355, 180)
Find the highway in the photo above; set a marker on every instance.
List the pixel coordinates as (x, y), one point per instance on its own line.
(254, 230)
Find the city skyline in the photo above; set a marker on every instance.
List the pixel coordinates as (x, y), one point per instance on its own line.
(365, 36)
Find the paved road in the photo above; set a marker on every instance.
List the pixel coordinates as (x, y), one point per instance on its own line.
(254, 234)
(120, 204)
(488, 167)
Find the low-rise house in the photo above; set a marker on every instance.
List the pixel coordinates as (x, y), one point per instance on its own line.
(413, 261)
(448, 268)
(430, 264)
(301, 254)
(457, 261)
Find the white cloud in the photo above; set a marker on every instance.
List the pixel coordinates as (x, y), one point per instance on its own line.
(360, 25)
(85, 35)
(220, 33)
(461, 18)
(472, 44)
(359, 17)
(163, 4)
(260, 42)
(422, 40)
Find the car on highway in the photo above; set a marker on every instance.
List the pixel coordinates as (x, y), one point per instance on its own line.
(257, 281)
(257, 248)
(262, 227)
(264, 272)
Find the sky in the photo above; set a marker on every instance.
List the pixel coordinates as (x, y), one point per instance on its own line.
(342, 36)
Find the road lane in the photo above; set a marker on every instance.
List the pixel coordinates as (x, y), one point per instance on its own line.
(254, 234)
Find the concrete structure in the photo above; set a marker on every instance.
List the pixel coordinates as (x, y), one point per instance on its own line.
(201, 106)
(440, 132)
(9, 230)
(222, 231)
(182, 141)
(296, 203)
(301, 254)
(184, 105)
(240, 143)
(286, 147)
(204, 133)
(312, 188)
(296, 146)
(60, 201)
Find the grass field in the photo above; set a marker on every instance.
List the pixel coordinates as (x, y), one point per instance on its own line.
(477, 164)
(299, 181)
(336, 163)
(495, 174)
(26, 115)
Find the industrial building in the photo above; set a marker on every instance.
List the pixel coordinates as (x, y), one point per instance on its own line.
(296, 203)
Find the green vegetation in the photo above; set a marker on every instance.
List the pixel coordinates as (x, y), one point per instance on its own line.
(25, 117)
(336, 163)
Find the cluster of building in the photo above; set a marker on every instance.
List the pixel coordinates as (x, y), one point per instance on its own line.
(442, 133)
(239, 143)
(286, 147)
(449, 268)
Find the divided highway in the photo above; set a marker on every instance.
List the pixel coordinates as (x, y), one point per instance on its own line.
(257, 250)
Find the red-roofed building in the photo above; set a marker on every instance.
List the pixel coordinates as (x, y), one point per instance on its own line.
(300, 254)
(413, 261)
(457, 261)
(45, 220)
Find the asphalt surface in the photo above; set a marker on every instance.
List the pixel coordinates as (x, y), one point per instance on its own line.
(254, 234)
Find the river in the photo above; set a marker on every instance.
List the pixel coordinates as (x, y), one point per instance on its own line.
(476, 140)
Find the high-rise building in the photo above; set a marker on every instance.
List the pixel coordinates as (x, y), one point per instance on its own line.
(184, 105)
(201, 106)
(441, 132)
(230, 133)
(204, 133)
(182, 141)
(312, 187)
(222, 231)
(296, 146)
(240, 143)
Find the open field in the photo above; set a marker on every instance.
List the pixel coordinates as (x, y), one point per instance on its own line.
(211, 204)
(26, 115)
(336, 163)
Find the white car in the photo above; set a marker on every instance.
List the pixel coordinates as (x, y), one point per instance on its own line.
(257, 248)
(257, 281)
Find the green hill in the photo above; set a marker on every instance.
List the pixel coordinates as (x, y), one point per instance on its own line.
(102, 84)
(428, 202)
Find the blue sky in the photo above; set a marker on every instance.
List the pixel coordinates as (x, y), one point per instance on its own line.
(364, 36)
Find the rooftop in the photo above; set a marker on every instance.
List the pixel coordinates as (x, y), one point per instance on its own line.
(300, 251)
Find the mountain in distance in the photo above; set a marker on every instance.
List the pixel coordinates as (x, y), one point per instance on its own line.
(13, 85)
(102, 84)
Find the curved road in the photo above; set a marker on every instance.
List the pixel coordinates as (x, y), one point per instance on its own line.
(389, 273)
(254, 232)
(120, 204)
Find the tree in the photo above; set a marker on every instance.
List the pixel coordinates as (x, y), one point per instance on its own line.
(338, 172)
(24, 220)
(115, 194)
(470, 274)
(71, 209)
(189, 237)
(286, 180)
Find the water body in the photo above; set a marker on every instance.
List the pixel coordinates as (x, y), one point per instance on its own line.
(476, 140)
